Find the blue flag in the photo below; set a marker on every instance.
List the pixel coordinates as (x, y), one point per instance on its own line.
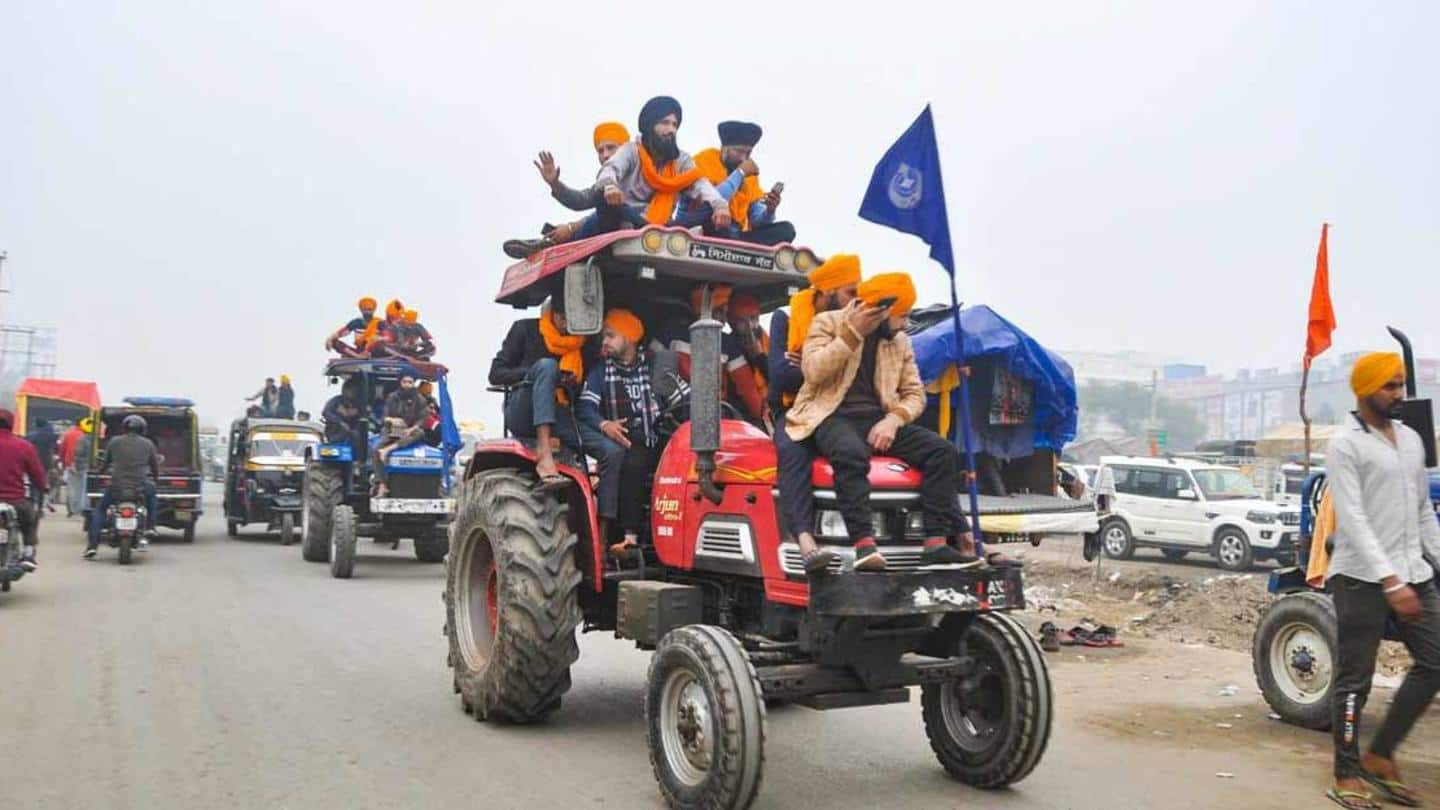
(450, 440)
(906, 192)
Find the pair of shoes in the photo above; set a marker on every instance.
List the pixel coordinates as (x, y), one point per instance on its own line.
(89, 552)
(867, 556)
(525, 248)
(1049, 637)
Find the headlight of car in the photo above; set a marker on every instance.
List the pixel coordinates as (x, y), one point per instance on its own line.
(1256, 516)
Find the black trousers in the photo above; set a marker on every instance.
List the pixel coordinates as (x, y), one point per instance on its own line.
(634, 490)
(27, 520)
(797, 491)
(843, 441)
(1360, 613)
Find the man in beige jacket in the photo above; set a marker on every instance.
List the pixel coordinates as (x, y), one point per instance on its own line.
(861, 396)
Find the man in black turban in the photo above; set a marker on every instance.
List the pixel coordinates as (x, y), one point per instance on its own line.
(733, 172)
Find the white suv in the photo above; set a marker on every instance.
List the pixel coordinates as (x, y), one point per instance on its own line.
(1180, 506)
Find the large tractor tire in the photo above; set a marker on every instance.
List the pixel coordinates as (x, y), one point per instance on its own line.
(321, 495)
(990, 728)
(342, 542)
(511, 598)
(705, 720)
(1293, 657)
(287, 529)
(433, 547)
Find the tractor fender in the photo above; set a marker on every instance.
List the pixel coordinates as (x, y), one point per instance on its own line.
(581, 508)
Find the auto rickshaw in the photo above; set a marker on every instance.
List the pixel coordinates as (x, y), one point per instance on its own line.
(265, 472)
(172, 425)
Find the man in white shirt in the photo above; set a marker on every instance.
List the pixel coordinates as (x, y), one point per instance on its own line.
(1386, 535)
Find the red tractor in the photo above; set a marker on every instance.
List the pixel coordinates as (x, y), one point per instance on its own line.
(721, 596)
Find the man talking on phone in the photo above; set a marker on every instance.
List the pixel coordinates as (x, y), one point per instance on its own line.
(733, 172)
(1385, 530)
(861, 396)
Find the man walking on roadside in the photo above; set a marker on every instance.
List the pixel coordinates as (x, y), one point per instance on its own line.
(1386, 529)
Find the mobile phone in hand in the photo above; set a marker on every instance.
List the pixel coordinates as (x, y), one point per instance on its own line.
(887, 302)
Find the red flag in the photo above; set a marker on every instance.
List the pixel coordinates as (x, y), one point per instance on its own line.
(1322, 312)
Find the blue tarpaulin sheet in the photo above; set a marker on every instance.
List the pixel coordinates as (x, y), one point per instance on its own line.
(987, 335)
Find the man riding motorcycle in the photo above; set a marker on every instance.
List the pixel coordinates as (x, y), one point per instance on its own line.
(18, 463)
(133, 463)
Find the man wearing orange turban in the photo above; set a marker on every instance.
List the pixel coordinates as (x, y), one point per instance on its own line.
(414, 341)
(641, 184)
(861, 397)
(738, 384)
(1385, 529)
(608, 137)
(623, 400)
(356, 327)
(736, 177)
(832, 286)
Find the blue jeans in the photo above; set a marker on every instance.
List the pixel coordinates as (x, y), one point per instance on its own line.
(97, 515)
(609, 218)
(533, 404)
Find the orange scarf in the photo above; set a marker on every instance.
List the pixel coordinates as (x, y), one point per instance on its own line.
(747, 195)
(367, 337)
(566, 347)
(667, 184)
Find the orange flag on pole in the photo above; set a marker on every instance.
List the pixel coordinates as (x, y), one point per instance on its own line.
(1322, 312)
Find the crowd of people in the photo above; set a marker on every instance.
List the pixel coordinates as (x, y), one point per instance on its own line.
(398, 334)
(655, 182)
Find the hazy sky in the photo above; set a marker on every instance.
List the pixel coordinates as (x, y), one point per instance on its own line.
(195, 193)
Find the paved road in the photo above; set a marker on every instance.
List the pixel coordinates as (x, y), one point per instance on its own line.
(229, 673)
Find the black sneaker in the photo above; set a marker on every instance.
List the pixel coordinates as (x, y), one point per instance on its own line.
(524, 248)
(943, 553)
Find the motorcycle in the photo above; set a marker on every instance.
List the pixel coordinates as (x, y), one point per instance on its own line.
(11, 547)
(124, 527)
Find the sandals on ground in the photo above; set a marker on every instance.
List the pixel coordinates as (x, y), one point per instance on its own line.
(1392, 789)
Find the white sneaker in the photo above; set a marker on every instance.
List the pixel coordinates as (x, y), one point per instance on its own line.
(89, 553)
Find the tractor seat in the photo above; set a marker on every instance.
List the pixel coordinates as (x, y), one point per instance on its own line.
(886, 472)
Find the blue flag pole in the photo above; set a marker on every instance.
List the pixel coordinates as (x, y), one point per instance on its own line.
(966, 429)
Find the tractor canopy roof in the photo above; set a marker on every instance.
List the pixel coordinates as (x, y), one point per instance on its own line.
(672, 258)
(388, 368)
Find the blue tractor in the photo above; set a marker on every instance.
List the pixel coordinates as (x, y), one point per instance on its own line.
(338, 505)
(1295, 641)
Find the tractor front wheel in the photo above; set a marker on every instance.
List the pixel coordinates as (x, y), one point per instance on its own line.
(511, 598)
(990, 727)
(432, 547)
(287, 529)
(321, 489)
(1293, 658)
(342, 542)
(705, 720)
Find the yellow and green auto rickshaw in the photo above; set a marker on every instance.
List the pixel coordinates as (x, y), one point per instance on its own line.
(265, 472)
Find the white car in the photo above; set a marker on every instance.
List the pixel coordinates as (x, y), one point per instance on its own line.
(1180, 506)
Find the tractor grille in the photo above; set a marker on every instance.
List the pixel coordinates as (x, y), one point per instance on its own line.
(897, 558)
(725, 540)
(414, 486)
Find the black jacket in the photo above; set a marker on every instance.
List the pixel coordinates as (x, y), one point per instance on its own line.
(523, 347)
(130, 458)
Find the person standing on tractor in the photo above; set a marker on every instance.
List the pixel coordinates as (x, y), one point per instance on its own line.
(133, 463)
(285, 399)
(621, 400)
(861, 395)
(1385, 529)
(405, 410)
(738, 385)
(832, 287)
(267, 397)
(355, 326)
(19, 462)
(736, 177)
(544, 366)
(608, 138)
(641, 184)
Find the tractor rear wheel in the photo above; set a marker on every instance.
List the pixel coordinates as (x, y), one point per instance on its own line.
(1292, 656)
(511, 598)
(321, 496)
(705, 720)
(990, 727)
(342, 542)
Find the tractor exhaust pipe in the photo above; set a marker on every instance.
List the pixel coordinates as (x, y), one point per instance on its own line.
(705, 396)
(1409, 354)
(1418, 413)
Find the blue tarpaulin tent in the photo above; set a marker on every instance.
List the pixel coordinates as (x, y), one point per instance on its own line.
(987, 335)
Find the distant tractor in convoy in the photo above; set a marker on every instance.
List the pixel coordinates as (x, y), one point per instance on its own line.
(719, 595)
(339, 477)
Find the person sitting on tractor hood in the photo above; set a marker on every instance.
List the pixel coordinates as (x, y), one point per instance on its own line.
(133, 463)
(383, 331)
(623, 398)
(738, 381)
(414, 339)
(18, 462)
(642, 183)
(607, 139)
(544, 366)
(736, 178)
(355, 326)
(861, 395)
(405, 411)
(832, 286)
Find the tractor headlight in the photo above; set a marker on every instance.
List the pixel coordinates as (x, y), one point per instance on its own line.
(805, 261)
(915, 524)
(652, 241)
(677, 243)
(785, 259)
(829, 524)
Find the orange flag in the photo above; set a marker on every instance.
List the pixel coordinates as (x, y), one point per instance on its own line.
(1322, 312)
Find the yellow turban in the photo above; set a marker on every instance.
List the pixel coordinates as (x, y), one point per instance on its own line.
(886, 285)
(612, 131)
(367, 303)
(284, 379)
(411, 316)
(626, 323)
(87, 424)
(838, 271)
(1373, 371)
